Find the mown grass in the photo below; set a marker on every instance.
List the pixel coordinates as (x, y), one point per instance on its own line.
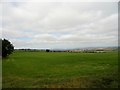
(60, 69)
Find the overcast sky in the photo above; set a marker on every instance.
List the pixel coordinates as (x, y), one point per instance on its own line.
(60, 24)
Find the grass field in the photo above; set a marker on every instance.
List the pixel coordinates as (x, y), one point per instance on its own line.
(60, 69)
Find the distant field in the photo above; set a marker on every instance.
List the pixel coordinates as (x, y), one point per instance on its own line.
(60, 69)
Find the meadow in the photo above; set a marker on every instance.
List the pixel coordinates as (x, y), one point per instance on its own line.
(60, 70)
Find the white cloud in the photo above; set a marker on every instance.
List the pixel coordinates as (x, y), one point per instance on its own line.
(60, 25)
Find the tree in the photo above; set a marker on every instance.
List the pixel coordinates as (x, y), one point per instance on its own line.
(7, 48)
(0, 47)
(47, 50)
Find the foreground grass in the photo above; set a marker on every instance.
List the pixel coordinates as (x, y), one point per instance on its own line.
(0, 72)
(42, 69)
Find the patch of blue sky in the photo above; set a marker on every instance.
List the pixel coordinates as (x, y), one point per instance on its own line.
(24, 38)
(15, 4)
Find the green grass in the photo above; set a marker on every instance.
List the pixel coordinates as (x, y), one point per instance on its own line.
(59, 69)
(0, 72)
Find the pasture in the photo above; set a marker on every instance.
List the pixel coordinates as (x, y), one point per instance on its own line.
(60, 70)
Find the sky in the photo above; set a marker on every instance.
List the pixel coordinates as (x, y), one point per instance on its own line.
(60, 25)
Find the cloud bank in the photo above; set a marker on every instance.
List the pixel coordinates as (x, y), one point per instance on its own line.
(60, 24)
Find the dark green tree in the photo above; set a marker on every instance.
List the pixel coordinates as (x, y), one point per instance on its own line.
(47, 50)
(0, 47)
(7, 48)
